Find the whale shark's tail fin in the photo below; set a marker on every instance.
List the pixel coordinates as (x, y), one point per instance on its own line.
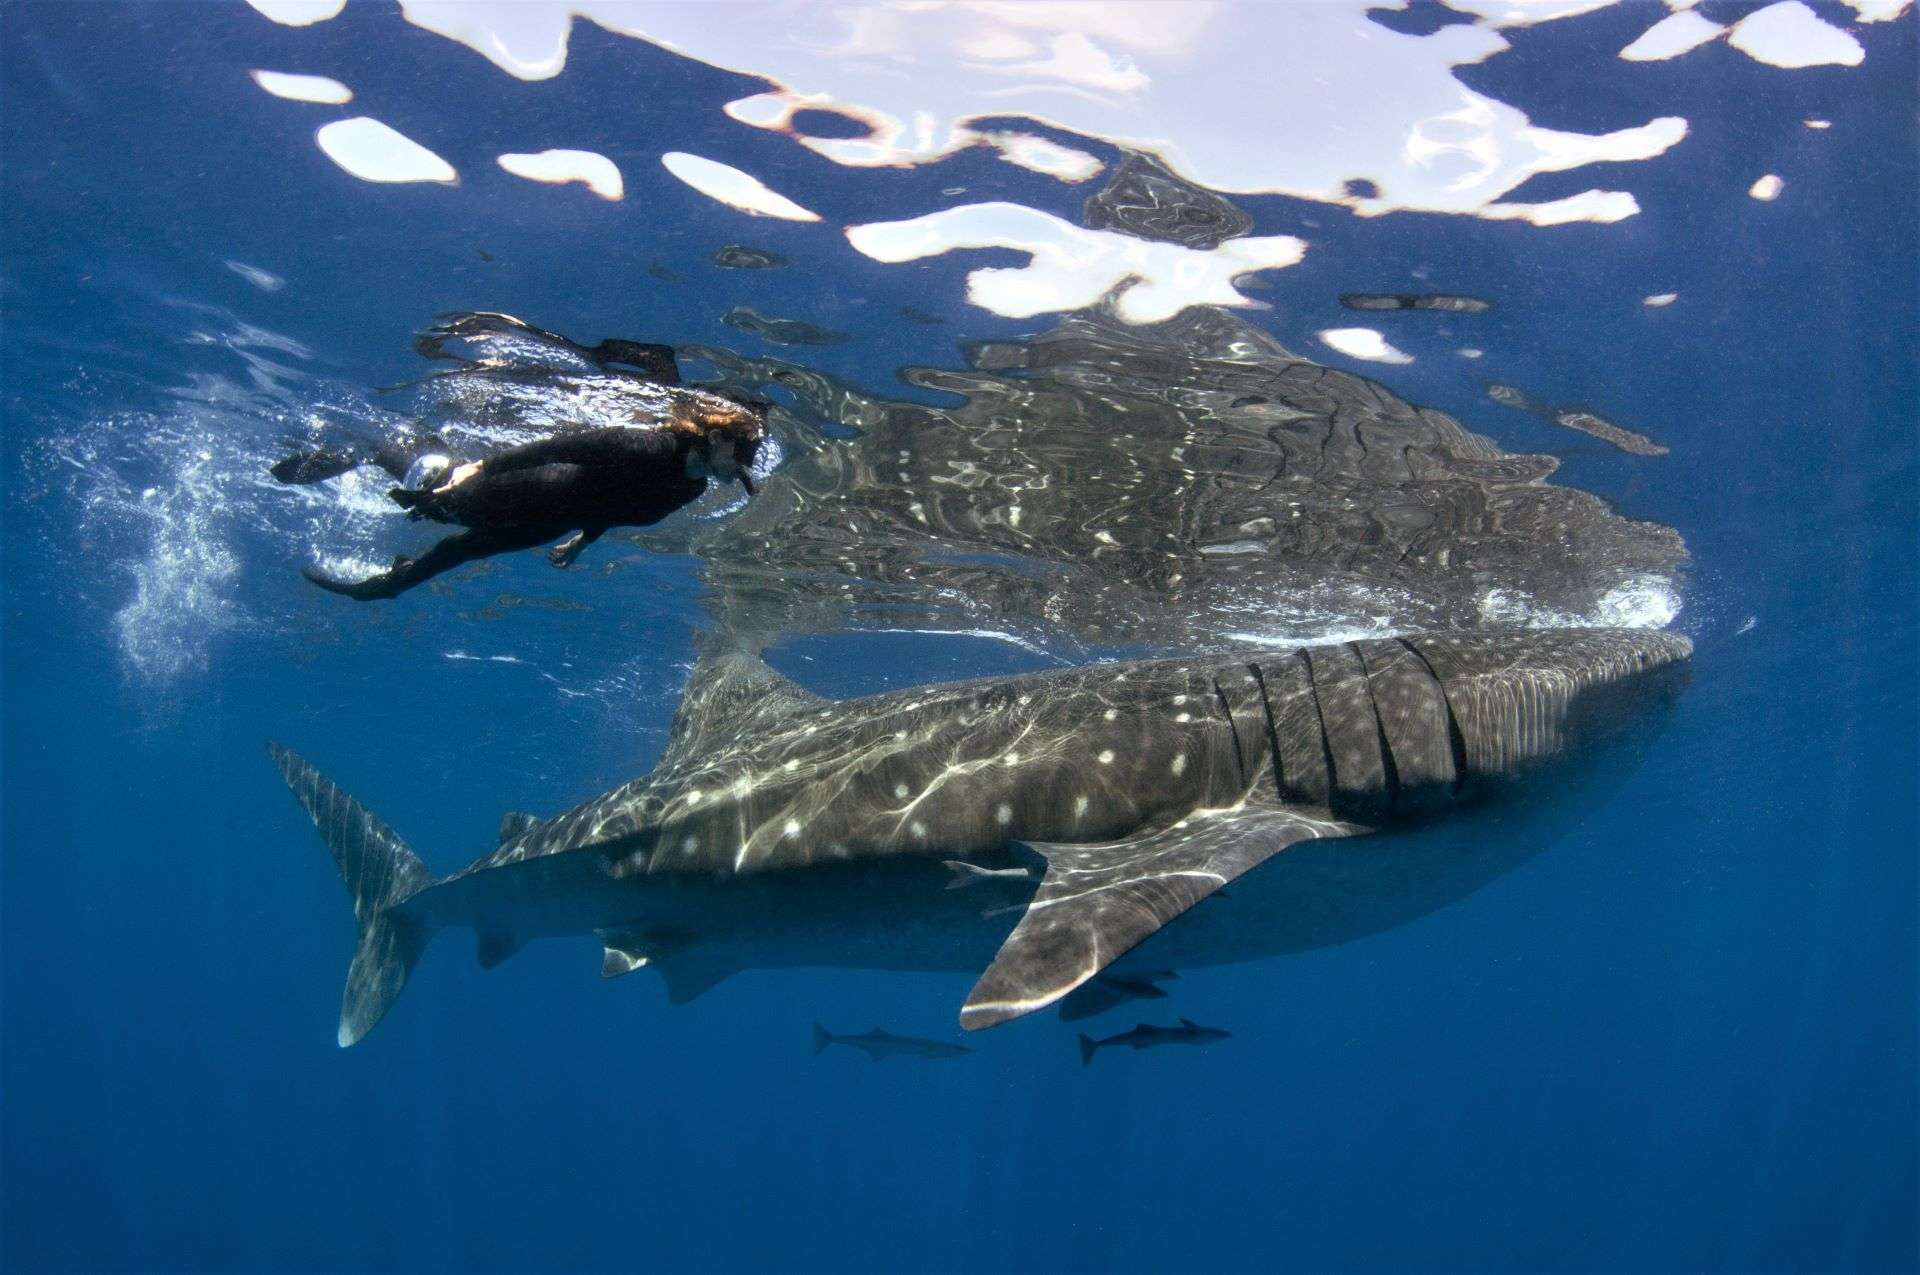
(380, 873)
(1087, 1045)
(821, 1038)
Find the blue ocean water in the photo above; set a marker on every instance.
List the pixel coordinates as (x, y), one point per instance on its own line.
(1682, 1037)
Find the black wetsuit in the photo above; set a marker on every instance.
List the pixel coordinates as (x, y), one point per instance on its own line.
(581, 481)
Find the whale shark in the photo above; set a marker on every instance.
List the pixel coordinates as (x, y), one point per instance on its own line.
(782, 829)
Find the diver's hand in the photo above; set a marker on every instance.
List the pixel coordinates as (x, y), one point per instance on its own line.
(563, 554)
(419, 504)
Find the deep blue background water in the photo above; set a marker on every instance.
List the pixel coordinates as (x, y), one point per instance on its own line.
(1682, 1037)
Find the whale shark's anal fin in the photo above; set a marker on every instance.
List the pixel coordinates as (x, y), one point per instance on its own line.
(1098, 900)
(494, 944)
(691, 973)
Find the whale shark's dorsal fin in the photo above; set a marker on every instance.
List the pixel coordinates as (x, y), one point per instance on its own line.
(729, 687)
(1098, 900)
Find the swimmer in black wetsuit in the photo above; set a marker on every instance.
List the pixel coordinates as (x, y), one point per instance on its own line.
(577, 481)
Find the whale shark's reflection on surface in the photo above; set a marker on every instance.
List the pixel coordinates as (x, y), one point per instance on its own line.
(1186, 485)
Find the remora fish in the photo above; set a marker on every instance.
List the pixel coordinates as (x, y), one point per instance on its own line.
(782, 829)
(884, 1044)
(1098, 995)
(1146, 1036)
(1452, 303)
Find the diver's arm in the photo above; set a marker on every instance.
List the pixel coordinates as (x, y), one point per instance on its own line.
(617, 444)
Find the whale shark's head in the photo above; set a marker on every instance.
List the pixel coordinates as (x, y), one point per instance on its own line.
(1409, 725)
(1519, 703)
(1522, 699)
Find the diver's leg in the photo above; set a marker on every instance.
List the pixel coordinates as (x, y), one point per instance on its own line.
(455, 550)
(398, 454)
(564, 553)
(318, 465)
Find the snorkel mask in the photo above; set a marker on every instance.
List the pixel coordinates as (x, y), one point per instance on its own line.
(731, 431)
(745, 452)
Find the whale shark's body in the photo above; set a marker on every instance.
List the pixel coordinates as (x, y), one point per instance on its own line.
(781, 829)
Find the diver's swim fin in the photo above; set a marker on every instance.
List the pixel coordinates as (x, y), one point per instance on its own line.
(654, 362)
(371, 589)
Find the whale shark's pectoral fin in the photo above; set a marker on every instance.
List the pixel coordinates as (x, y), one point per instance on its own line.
(1100, 899)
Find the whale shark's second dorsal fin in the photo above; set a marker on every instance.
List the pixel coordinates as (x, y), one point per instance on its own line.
(729, 687)
(514, 823)
(1098, 900)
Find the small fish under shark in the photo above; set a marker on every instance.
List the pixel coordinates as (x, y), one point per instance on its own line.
(880, 1045)
(780, 829)
(1146, 1036)
(1109, 990)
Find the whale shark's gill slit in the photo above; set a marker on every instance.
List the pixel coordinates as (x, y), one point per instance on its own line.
(1273, 735)
(1455, 740)
(1320, 715)
(1388, 768)
(1233, 732)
